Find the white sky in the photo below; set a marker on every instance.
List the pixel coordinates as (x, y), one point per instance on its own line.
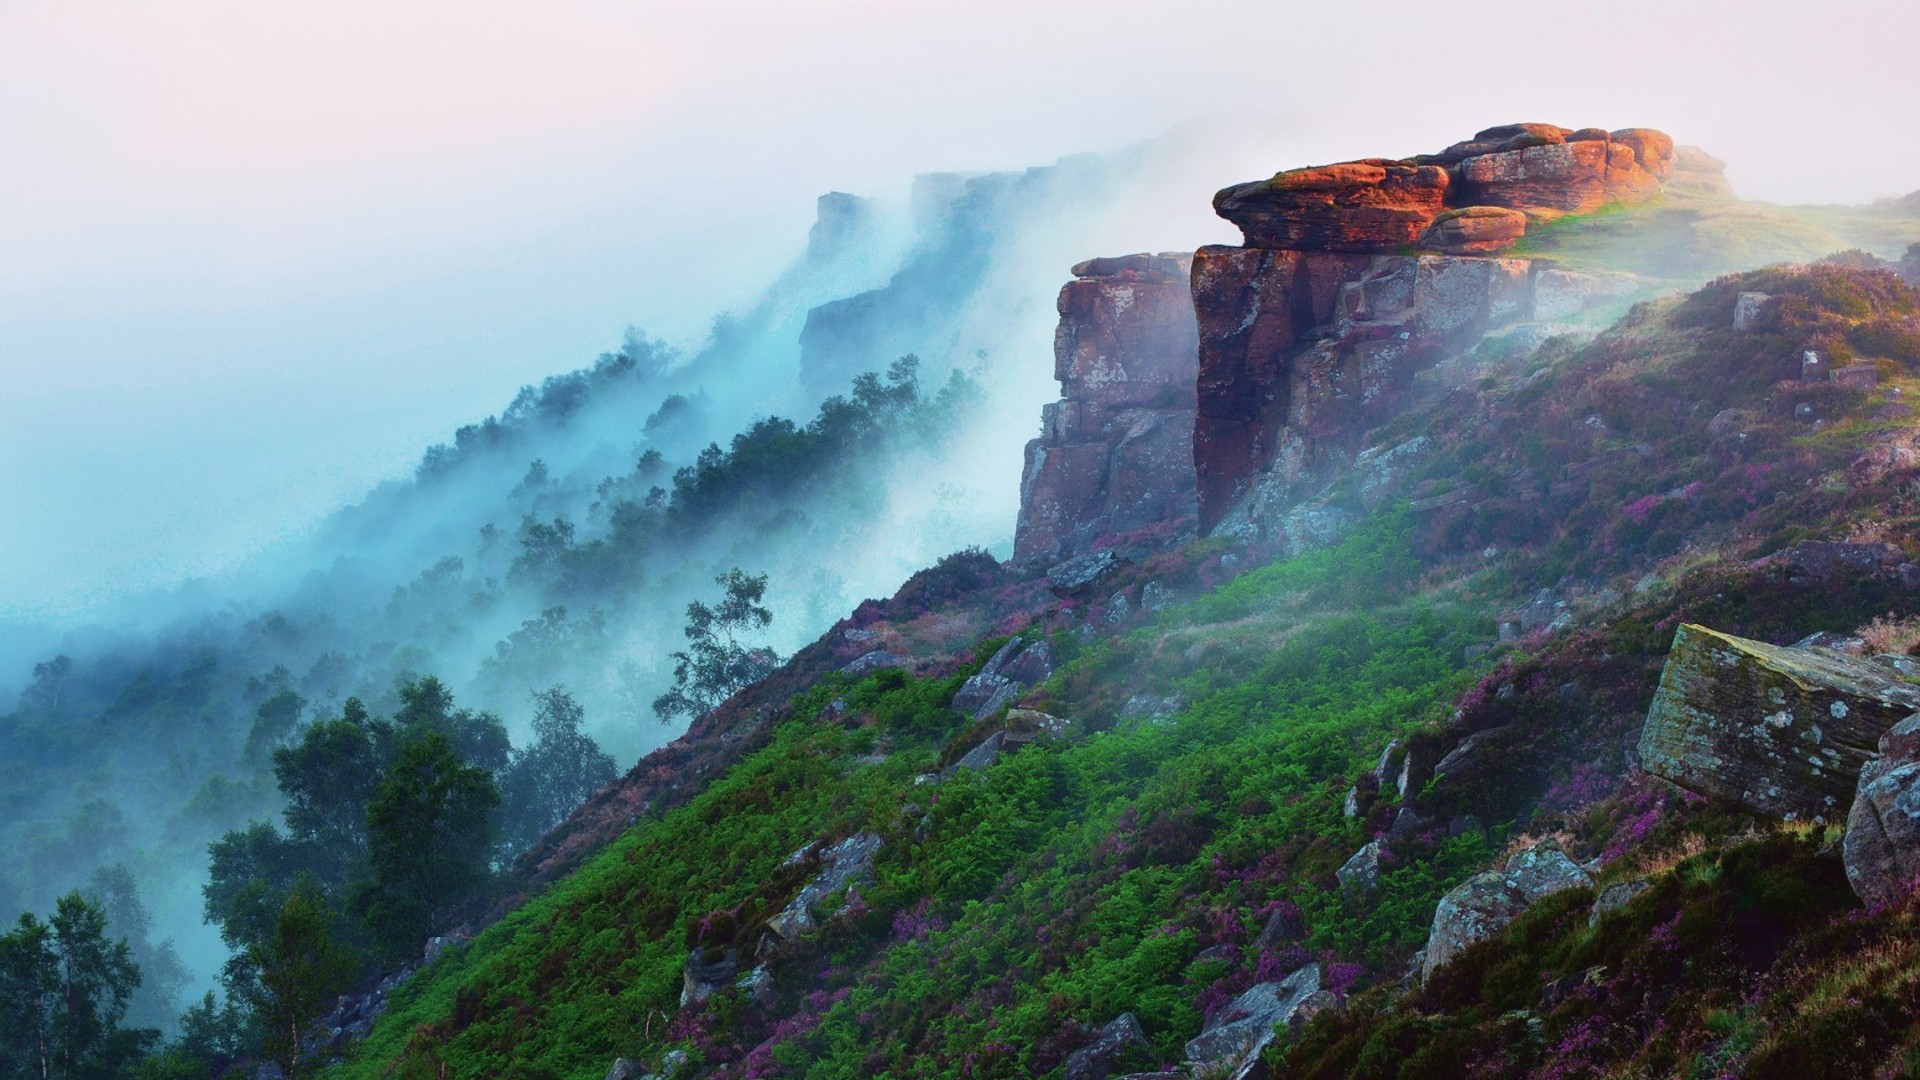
(255, 256)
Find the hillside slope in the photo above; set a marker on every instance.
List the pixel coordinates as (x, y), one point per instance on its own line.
(1168, 821)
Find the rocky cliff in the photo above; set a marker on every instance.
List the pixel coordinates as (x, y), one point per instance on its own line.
(1356, 277)
(1115, 452)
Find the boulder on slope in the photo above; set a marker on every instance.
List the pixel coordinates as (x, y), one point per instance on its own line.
(1487, 902)
(1781, 731)
(1882, 845)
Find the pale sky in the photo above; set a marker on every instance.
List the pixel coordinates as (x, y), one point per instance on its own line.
(254, 256)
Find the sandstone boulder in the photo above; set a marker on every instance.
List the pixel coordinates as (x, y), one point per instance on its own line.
(1882, 845)
(1475, 230)
(1781, 731)
(1352, 206)
(1558, 178)
(1245, 1026)
(1487, 902)
(1654, 150)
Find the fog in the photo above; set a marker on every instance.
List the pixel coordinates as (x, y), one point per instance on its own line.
(260, 260)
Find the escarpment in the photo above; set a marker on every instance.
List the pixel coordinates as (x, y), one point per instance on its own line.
(1356, 277)
(1115, 452)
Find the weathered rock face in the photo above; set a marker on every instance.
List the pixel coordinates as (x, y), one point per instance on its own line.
(1560, 178)
(1782, 731)
(1314, 331)
(1882, 845)
(1115, 454)
(1373, 205)
(1018, 664)
(1475, 230)
(1485, 903)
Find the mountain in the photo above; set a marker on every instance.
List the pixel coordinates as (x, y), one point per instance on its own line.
(1511, 682)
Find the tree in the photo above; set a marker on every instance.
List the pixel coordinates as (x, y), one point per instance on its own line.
(28, 979)
(327, 779)
(64, 987)
(300, 970)
(716, 664)
(162, 974)
(429, 842)
(557, 773)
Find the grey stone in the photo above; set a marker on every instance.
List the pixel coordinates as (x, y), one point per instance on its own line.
(702, 977)
(1616, 895)
(849, 862)
(1245, 1026)
(875, 661)
(1362, 871)
(1083, 572)
(1747, 309)
(1783, 732)
(1881, 849)
(1095, 1061)
(624, 1069)
(1487, 902)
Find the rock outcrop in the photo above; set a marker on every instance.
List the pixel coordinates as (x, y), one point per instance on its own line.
(1487, 902)
(1781, 731)
(1882, 845)
(1313, 331)
(1017, 665)
(1115, 454)
(1096, 1060)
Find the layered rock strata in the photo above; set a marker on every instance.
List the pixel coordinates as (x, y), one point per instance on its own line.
(1115, 453)
(1355, 277)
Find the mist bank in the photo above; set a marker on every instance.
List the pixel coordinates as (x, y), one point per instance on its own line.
(559, 541)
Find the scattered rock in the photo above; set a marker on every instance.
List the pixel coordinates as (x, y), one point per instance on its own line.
(1095, 1061)
(1245, 1026)
(1485, 903)
(1781, 731)
(985, 754)
(624, 1069)
(875, 661)
(1856, 376)
(1882, 845)
(1463, 761)
(1616, 895)
(758, 985)
(1082, 573)
(1017, 665)
(707, 971)
(847, 863)
(1747, 309)
(1362, 871)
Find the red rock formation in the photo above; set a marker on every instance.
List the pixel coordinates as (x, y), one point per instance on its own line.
(1313, 332)
(1475, 230)
(1558, 178)
(1355, 206)
(1116, 452)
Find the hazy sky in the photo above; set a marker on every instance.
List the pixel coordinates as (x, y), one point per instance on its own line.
(254, 256)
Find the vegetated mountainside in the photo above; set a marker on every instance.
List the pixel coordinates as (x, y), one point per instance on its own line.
(559, 542)
(1378, 788)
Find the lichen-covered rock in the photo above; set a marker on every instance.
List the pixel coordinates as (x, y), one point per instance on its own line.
(1096, 1060)
(1245, 1026)
(1781, 731)
(1882, 845)
(1487, 902)
(1363, 206)
(1475, 230)
(1362, 871)
(847, 863)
